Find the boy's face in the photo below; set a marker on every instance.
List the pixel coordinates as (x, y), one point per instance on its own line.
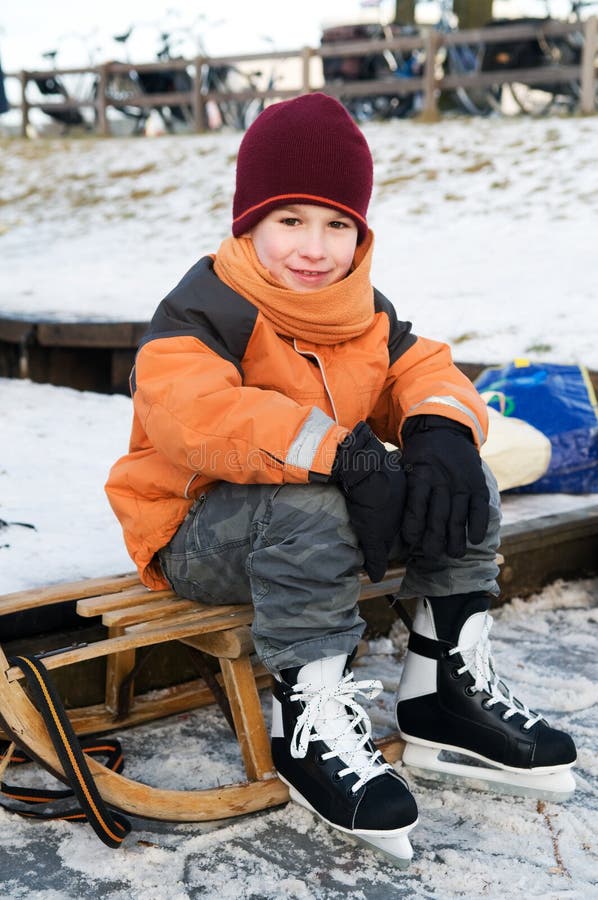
(305, 247)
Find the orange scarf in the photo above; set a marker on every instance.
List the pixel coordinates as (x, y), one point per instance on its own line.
(327, 316)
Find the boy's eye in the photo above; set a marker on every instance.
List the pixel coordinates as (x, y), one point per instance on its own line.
(337, 224)
(290, 220)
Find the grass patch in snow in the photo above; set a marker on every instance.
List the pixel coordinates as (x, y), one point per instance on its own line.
(539, 348)
(132, 173)
(479, 166)
(466, 336)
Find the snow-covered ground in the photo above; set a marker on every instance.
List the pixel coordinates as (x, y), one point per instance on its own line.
(485, 238)
(485, 229)
(57, 446)
(468, 844)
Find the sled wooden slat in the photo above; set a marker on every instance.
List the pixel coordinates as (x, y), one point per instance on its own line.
(229, 644)
(390, 584)
(103, 603)
(144, 612)
(61, 593)
(170, 701)
(152, 633)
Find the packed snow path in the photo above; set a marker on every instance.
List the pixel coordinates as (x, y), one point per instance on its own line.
(468, 844)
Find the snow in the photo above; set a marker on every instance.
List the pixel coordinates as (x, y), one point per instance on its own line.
(483, 233)
(467, 844)
(484, 228)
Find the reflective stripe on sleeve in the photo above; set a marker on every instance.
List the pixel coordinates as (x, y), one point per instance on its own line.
(305, 446)
(455, 404)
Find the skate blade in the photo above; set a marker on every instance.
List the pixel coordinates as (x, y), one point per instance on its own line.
(397, 850)
(396, 847)
(554, 786)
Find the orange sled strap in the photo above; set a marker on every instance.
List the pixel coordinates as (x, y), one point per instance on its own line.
(110, 827)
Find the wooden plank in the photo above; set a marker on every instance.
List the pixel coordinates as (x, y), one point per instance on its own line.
(554, 528)
(389, 585)
(156, 704)
(133, 596)
(234, 614)
(118, 666)
(196, 623)
(90, 334)
(228, 644)
(248, 717)
(146, 612)
(60, 593)
(588, 67)
(543, 549)
(16, 331)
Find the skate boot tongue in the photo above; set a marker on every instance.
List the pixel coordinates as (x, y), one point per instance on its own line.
(322, 672)
(332, 715)
(474, 648)
(473, 630)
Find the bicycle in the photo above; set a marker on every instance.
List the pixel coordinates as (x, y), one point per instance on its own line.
(466, 59)
(67, 87)
(453, 59)
(539, 52)
(229, 79)
(387, 65)
(84, 88)
(225, 79)
(123, 88)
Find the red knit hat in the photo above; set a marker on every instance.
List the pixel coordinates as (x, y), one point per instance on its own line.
(305, 150)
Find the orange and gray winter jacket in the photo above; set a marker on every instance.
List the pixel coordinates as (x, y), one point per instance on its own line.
(219, 395)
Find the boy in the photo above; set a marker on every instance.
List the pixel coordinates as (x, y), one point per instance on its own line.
(256, 472)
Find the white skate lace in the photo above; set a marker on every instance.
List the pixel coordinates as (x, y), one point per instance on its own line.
(339, 732)
(478, 661)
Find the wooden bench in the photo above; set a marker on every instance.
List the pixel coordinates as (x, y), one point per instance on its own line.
(134, 617)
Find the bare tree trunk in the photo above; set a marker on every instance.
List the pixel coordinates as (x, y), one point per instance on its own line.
(404, 12)
(471, 13)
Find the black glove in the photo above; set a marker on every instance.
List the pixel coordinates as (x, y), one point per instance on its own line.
(374, 486)
(447, 496)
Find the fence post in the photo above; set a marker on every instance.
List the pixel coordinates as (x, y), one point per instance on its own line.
(24, 78)
(200, 119)
(588, 75)
(305, 69)
(101, 117)
(429, 112)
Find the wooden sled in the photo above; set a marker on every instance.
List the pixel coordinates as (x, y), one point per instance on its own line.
(133, 618)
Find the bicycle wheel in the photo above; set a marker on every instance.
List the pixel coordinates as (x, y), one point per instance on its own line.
(238, 113)
(539, 99)
(123, 88)
(361, 109)
(467, 59)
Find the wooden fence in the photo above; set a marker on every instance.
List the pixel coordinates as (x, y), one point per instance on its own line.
(432, 82)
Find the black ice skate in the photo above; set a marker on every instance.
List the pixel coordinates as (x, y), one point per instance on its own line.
(322, 748)
(452, 702)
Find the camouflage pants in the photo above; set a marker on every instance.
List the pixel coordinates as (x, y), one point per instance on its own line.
(290, 550)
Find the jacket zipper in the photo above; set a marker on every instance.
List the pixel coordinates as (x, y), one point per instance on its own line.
(322, 372)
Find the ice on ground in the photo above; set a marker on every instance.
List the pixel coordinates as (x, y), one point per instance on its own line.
(468, 843)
